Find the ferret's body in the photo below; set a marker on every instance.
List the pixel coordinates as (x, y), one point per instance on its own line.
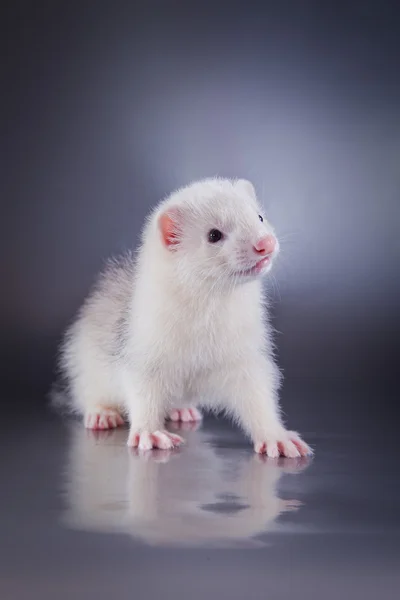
(183, 324)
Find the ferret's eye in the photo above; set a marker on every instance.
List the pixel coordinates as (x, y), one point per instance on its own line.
(261, 219)
(214, 236)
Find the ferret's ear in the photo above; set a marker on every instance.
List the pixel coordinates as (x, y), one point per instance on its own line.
(247, 187)
(170, 224)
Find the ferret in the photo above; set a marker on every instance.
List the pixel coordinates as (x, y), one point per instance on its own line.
(182, 324)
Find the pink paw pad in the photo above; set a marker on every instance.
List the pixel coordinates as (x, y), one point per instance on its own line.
(103, 419)
(164, 440)
(186, 415)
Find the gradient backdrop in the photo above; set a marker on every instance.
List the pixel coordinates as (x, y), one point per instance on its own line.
(108, 106)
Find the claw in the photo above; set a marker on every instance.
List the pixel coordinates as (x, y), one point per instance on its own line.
(103, 418)
(291, 447)
(164, 440)
(185, 415)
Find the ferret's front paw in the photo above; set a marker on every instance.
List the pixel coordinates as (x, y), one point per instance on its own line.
(144, 440)
(103, 418)
(186, 415)
(289, 444)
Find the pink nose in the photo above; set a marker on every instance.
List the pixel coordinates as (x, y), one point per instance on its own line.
(266, 245)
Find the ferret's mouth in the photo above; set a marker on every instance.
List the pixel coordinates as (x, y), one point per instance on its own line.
(258, 267)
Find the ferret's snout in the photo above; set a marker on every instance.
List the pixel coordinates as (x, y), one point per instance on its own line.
(265, 245)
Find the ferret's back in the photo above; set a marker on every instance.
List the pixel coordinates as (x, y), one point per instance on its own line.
(101, 326)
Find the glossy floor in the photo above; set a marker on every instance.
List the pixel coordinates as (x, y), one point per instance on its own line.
(82, 516)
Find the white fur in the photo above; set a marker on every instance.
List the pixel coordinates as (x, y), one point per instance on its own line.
(183, 326)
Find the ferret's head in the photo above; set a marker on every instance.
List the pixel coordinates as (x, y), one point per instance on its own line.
(215, 230)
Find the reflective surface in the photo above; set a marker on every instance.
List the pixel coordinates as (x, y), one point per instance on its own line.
(204, 494)
(83, 515)
(107, 108)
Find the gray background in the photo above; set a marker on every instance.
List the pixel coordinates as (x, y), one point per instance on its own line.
(108, 106)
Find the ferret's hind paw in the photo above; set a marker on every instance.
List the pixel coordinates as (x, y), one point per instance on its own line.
(291, 445)
(145, 440)
(103, 418)
(185, 415)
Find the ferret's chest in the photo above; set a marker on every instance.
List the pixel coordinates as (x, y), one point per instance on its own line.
(203, 339)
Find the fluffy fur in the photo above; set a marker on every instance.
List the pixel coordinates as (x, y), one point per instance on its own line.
(183, 324)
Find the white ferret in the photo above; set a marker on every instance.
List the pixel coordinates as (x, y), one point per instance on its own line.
(183, 325)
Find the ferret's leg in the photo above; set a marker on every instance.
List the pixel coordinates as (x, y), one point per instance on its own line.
(146, 404)
(93, 391)
(250, 391)
(184, 409)
(94, 398)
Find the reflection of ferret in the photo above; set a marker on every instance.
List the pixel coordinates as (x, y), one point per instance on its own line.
(183, 324)
(199, 496)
